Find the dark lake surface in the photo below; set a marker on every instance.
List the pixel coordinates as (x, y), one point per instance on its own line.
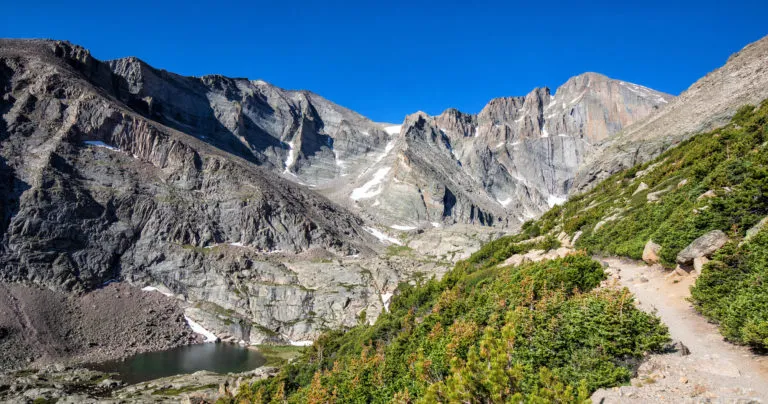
(219, 358)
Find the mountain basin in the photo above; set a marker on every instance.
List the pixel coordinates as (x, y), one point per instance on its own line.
(215, 357)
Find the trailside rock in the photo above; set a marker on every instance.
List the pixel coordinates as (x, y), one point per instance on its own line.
(703, 246)
(651, 252)
(698, 264)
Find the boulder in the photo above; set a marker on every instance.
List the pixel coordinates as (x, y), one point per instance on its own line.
(651, 252)
(640, 188)
(703, 246)
(755, 229)
(708, 194)
(698, 263)
(682, 183)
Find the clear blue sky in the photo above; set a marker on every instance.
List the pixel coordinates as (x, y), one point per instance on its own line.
(387, 59)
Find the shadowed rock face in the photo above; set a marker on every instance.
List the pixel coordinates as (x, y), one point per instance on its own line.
(708, 103)
(94, 191)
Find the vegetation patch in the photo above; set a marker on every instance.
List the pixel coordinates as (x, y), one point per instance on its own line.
(279, 355)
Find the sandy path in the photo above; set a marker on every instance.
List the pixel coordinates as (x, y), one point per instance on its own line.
(715, 370)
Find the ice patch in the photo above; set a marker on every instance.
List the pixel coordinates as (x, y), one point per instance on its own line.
(393, 130)
(553, 200)
(198, 329)
(291, 159)
(154, 289)
(385, 299)
(98, 143)
(401, 227)
(381, 236)
(372, 187)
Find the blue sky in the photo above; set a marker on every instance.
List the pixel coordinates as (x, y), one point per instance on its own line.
(389, 59)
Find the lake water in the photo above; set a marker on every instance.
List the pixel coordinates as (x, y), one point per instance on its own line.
(219, 358)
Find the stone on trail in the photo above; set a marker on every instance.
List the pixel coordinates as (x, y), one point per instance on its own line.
(651, 252)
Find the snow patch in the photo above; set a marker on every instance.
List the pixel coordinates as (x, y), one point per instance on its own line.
(505, 202)
(99, 143)
(198, 329)
(372, 187)
(154, 289)
(237, 244)
(393, 130)
(382, 236)
(553, 200)
(403, 228)
(385, 299)
(544, 132)
(291, 159)
(435, 224)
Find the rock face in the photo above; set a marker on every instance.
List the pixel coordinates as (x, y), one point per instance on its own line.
(703, 246)
(707, 104)
(93, 191)
(509, 163)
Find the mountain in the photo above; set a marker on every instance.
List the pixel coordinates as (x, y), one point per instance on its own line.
(708, 103)
(94, 191)
(495, 168)
(502, 166)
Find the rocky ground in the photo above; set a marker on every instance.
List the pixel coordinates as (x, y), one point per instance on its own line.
(704, 367)
(61, 385)
(39, 326)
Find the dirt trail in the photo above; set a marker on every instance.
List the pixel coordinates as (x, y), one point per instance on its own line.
(714, 371)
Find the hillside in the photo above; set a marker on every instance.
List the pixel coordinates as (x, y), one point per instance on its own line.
(496, 328)
(714, 181)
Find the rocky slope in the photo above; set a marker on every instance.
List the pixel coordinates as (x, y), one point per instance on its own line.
(708, 103)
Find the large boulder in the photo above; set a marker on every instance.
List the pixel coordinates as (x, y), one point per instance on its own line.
(651, 252)
(703, 246)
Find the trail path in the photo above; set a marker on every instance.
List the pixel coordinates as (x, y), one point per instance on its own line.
(714, 371)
